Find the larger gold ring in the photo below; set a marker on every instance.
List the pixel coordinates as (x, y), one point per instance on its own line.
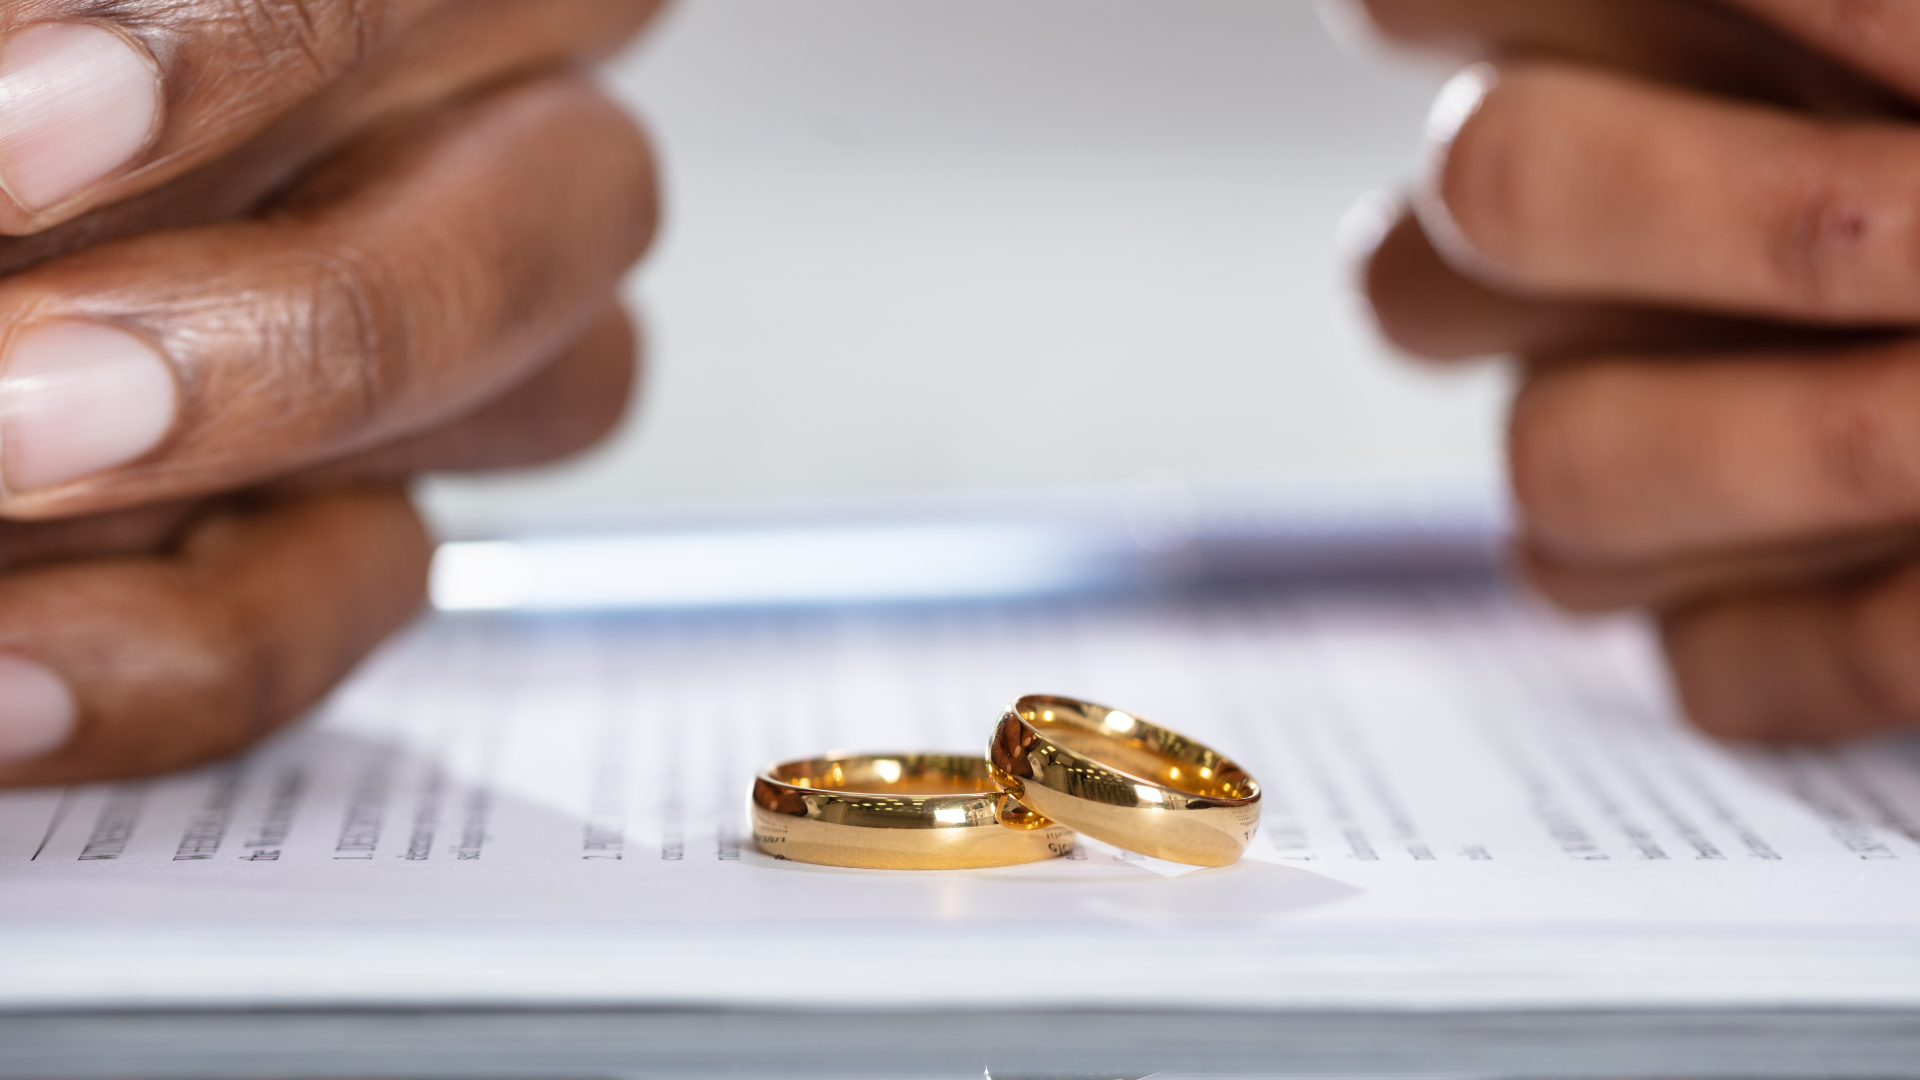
(897, 812)
(1124, 780)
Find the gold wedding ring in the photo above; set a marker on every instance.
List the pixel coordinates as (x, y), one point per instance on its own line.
(897, 812)
(1124, 780)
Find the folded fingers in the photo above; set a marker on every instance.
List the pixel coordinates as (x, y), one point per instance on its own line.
(157, 637)
(1725, 284)
(1712, 289)
(415, 278)
(121, 667)
(1661, 455)
(108, 100)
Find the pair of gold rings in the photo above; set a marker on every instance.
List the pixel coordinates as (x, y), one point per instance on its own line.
(1053, 766)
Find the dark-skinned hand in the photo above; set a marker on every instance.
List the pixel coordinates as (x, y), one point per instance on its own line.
(262, 262)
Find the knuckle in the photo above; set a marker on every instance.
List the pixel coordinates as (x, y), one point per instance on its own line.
(354, 338)
(328, 347)
(316, 39)
(1821, 241)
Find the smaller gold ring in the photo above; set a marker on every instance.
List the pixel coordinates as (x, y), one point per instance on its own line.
(897, 812)
(1125, 780)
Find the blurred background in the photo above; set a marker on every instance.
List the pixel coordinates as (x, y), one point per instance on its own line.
(919, 246)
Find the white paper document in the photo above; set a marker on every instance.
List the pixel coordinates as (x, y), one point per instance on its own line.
(1468, 802)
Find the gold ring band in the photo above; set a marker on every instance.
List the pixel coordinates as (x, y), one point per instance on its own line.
(897, 812)
(1124, 780)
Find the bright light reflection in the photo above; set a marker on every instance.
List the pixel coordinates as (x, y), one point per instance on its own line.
(952, 815)
(1457, 101)
(888, 771)
(771, 566)
(1118, 721)
(1148, 794)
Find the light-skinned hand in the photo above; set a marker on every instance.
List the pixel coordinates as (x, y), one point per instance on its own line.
(1696, 224)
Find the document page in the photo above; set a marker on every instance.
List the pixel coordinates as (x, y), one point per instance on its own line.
(1456, 782)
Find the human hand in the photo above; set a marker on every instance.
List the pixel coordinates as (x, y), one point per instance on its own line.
(366, 247)
(1694, 224)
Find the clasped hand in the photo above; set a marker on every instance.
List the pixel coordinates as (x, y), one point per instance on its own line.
(263, 261)
(1698, 226)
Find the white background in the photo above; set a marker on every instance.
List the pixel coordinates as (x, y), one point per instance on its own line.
(917, 245)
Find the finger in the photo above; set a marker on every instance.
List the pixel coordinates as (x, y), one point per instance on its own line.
(1706, 46)
(416, 278)
(1574, 182)
(1637, 460)
(127, 667)
(106, 101)
(1669, 583)
(1873, 36)
(1432, 310)
(454, 49)
(137, 530)
(1812, 665)
(564, 408)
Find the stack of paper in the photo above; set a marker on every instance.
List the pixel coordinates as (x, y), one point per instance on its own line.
(515, 846)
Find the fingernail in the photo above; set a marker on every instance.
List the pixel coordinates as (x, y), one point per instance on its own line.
(77, 398)
(76, 102)
(36, 710)
(1452, 107)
